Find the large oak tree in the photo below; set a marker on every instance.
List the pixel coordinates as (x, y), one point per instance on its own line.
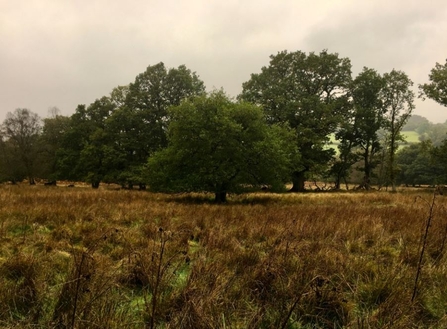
(218, 146)
(309, 92)
(111, 139)
(140, 122)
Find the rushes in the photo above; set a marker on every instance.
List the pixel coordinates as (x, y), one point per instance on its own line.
(127, 259)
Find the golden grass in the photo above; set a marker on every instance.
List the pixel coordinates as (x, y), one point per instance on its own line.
(83, 258)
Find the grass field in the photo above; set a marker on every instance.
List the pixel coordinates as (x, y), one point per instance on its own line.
(83, 258)
(411, 137)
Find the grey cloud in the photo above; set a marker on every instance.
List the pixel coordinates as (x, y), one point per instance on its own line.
(58, 53)
(408, 37)
(383, 38)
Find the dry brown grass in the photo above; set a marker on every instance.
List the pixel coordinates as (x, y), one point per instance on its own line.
(82, 258)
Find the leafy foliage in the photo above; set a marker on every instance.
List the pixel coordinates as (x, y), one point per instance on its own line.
(21, 131)
(437, 88)
(111, 139)
(309, 93)
(51, 139)
(439, 158)
(86, 154)
(11, 168)
(436, 133)
(139, 124)
(150, 96)
(398, 101)
(305, 98)
(219, 146)
(417, 166)
(358, 134)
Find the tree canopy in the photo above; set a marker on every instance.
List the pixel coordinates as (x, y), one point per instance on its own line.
(418, 165)
(140, 121)
(301, 117)
(437, 88)
(219, 146)
(111, 139)
(358, 134)
(398, 100)
(21, 129)
(309, 92)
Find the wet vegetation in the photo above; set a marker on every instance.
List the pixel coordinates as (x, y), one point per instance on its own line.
(103, 258)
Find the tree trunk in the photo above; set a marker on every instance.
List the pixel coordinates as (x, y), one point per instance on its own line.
(32, 181)
(367, 177)
(337, 183)
(346, 183)
(220, 197)
(338, 177)
(95, 184)
(298, 180)
(393, 187)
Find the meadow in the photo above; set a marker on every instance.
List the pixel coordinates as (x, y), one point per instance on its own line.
(410, 137)
(84, 258)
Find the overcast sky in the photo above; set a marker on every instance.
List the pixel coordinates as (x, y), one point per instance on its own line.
(64, 53)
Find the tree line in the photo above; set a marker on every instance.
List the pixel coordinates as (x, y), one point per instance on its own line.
(424, 162)
(165, 131)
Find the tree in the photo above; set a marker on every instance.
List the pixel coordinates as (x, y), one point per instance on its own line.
(436, 133)
(51, 139)
(118, 95)
(150, 96)
(112, 138)
(21, 130)
(437, 88)
(140, 121)
(398, 100)
(11, 168)
(79, 128)
(219, 146)
(86, 153)
(417, 123)
(359, 133)
(310, 94)
(419, 164)
(439, 160)
(97, 156)
(129, 147)
(342, 164)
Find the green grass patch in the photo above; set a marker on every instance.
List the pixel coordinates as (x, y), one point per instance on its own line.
(411, 137)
